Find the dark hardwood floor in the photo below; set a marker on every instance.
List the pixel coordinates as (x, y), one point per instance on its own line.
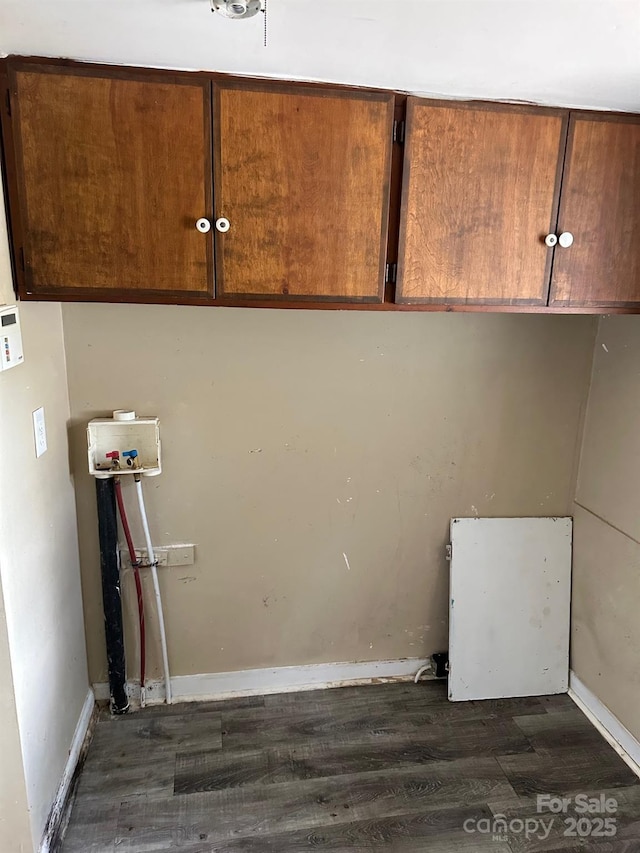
(388, 767)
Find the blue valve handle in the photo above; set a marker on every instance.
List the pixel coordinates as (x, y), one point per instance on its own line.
(130, 456)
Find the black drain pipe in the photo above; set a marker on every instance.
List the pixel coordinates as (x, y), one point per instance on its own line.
(111, 598)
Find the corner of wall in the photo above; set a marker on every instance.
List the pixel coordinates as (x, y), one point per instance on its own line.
(580, 434)
(46, 681)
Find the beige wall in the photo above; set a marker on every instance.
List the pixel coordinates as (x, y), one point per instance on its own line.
(606, 577)
(15, 831)
(292, 438)
(39, 563)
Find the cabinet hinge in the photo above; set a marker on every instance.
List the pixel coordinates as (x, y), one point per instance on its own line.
(398, 131)
(9, 103)
(391, 274)
(447, 553)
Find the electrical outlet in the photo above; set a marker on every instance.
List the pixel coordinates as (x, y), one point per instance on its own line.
(39, 431)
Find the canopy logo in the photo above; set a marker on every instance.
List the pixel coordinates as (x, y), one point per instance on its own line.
(581, 816)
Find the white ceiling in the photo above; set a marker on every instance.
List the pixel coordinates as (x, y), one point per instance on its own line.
(561, 52)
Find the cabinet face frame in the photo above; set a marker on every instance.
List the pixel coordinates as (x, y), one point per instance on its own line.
(15, 188)
(461, 303)
(386, 99)
(577, 302)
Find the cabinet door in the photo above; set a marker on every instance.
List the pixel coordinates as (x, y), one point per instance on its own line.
(302, 176)
(112, 174)
(479, 196)
(600, 208)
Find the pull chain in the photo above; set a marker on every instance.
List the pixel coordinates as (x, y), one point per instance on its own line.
(264, 11)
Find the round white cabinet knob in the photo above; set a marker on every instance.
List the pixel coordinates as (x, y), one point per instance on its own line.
(551, 240)
(566, 239)
(223, 224)
(203, 225)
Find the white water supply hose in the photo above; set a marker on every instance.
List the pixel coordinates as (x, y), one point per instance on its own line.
(156, 588)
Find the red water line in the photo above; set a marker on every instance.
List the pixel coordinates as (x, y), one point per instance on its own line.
(136, 575)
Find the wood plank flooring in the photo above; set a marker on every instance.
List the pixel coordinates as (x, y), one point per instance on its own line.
(394, 768)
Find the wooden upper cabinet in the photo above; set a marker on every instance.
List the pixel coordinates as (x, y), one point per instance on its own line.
(480, 190)
(302, 176)
(600, 208)
(139, 185)
(112, 174)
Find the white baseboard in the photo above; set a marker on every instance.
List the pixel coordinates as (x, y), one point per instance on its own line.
(609, 726)
(282, 679)
(61, 800)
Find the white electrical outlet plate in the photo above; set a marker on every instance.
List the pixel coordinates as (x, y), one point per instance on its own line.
(39, 431)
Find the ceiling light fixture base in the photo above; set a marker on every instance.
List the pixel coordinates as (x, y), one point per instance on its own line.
(236, 8)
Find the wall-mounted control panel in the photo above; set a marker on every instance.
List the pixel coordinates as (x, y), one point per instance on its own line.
(10, 338)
